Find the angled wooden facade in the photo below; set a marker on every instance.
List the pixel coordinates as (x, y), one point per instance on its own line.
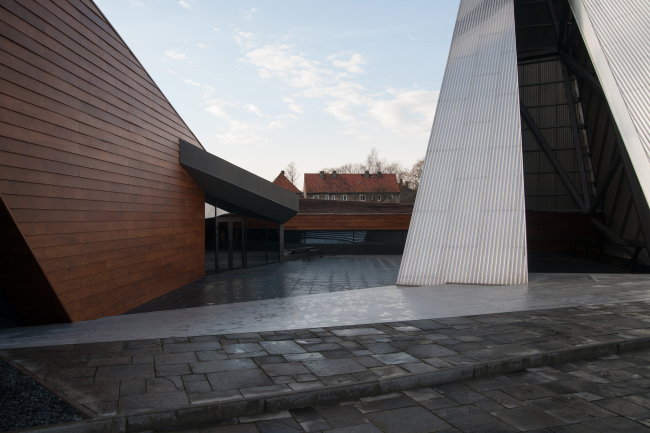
(93, 194)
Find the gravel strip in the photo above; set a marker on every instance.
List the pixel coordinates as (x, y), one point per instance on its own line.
(24, 403)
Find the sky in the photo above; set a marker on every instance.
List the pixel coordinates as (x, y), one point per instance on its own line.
(318, 83)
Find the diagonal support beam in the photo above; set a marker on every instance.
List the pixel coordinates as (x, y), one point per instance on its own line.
(564, 22)
(602, 188)
(577, 69)
(556, 163)
(556, 23)
(576, 135)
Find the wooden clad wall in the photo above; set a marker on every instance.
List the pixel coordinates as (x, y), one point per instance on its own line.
(348, 222)
(89, 161)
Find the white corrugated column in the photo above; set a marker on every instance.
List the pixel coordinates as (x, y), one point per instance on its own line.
(617, 36)
(468, 223)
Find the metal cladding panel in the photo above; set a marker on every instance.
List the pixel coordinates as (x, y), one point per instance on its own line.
(616, 34)
(468, 223)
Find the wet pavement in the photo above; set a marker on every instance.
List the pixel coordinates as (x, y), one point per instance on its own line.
(606, 394)
(132, 377)
(310, 276)
(350, 307)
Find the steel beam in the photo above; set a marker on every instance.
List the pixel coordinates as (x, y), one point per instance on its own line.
(602, 188)
(577, 69)
(549, 152)
(537, 54)
(564, 22)
(576, 135)
(556, 24)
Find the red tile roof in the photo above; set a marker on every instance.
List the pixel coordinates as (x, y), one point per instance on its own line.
(285, 183)
(349, 183)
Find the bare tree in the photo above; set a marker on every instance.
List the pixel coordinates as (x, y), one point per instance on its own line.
(291, 172)
(413, 176)
(374, 163)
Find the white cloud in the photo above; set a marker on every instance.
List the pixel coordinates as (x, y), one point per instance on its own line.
(410, 37)
(249, 14)
(216, 29)
(291, 105)
(280, 61)
(240, 131)
(408, 112)
(245, 39)
(171, 71)
(202, 45)
(351, 65)
(176, 55)
(185, 4)
(253, 109)
(136, 4)
(209, 89)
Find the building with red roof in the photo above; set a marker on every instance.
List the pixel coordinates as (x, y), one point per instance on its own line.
(285, 183)
(352, 187)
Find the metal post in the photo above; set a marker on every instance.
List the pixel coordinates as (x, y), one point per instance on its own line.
(244, 240)
(230, 236)
(216, 241)
(281, 244)
(266, 233)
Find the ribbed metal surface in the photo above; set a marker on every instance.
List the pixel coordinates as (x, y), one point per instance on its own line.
(616, 34)
(468, 222)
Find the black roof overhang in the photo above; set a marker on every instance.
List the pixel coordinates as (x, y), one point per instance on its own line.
(235, 189)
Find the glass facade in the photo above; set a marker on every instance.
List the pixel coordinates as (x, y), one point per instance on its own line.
(234, 241)
(327, 237)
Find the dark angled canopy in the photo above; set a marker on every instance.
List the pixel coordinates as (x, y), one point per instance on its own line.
(235, 189)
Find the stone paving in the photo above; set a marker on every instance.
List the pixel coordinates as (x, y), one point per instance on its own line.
(607, 394)
(130, 377)
(310, 276)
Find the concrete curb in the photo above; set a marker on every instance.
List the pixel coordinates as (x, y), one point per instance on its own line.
(198, 415)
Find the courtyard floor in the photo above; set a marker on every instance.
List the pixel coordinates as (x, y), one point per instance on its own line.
(563, 353)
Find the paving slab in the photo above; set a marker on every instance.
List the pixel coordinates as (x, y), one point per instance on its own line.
(387, 304)
(431, 409)
(179, 382)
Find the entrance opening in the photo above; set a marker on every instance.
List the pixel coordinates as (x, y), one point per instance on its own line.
(235, 241)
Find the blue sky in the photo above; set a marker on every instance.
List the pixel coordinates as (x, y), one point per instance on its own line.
(316, 82)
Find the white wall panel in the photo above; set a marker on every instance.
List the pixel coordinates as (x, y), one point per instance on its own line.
(468, 222)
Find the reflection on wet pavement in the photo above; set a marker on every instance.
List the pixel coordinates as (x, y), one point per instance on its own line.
(311, 276)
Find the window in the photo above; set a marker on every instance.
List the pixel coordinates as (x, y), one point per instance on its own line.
(389, 198)
(333, 197)
(373, 198)
(378, 198)
(315, 196)
(344, 197)
(327, 197)
(362, 198)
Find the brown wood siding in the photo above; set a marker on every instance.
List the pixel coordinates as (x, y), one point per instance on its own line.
(348, 222)
(89, 162)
